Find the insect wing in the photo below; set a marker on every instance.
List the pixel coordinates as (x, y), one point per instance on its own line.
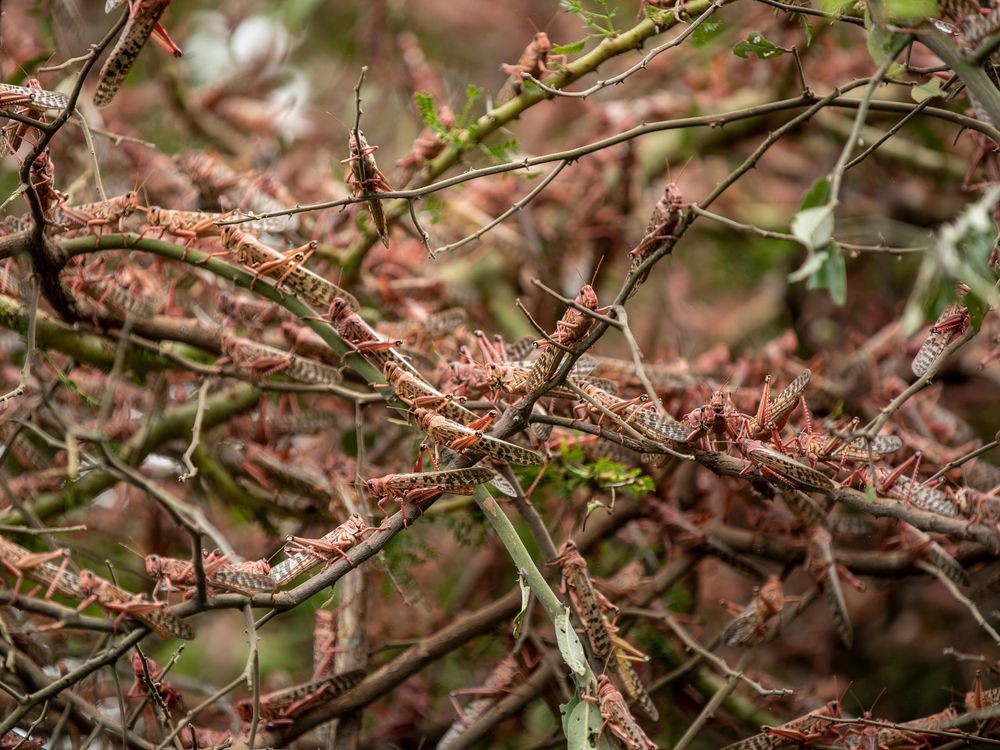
(508, 452)
(503, 485)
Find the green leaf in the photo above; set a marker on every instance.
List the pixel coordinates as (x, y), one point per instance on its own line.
(573, 48)
(832, 276)
(522, 581)
(757, 44)
(706, 33)
(977, 310)
(582, 722)
(817, 195)
(812, 264)
(425, 104)
(569, 644)
(813, 227)
(927, 90)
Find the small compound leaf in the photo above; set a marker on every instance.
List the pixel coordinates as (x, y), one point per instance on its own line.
(928, 90)
(569, 645)
(813, 227)
(573, 48)
(757, 44)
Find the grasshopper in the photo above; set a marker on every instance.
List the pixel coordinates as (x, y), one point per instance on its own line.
(93, 217)
(799, 731)
(665, 219)
(500, 679)
(143, 21)
(219, 573)
(426, 484)
(152, 614)
(749, 625)
(360, 336)
(267, 360)
(366, 178)
(773, 414)
(570, 329)
(821, 563)
(308, 553)
(460, 438)
(951, 324)
(415, 391)
(284, 705)
(779, 466)
(601, 632)
(39, 566)
(285, 268)
(533, 61)
(618, 718)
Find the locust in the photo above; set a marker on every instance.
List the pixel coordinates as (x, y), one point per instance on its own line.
(308, 553)
(779, 466)
(657, 427)
(797, 731)
(286, 268)
(749, 625)
(821, 563)
(663, 223)
(592, 607)
(618, 718)
(286, 704)
(426, 484)
(219, 573)
(573, 326)
(924, 546)
(40, 567)
(188, 225)
(907, 734)
(824, 448)
(501, 678)
(951, 324)
(94, 217)
(896, 485)
(324, 643)
(152, 614)
(773, 414)
(267, 360)
(533, 61)
(143, 21)
(366, 178)
(35, 98)
(461, 438)
(413, 390)
(362, 338)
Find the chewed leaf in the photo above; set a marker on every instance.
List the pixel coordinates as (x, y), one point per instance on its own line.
(757, 44)
(569, 645)
(582, 723)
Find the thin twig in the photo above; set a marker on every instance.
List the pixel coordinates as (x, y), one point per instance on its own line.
(531, 195)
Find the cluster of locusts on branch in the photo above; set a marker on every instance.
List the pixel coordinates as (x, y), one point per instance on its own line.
(487, 413)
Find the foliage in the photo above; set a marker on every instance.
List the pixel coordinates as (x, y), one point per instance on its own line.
(508, 441)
